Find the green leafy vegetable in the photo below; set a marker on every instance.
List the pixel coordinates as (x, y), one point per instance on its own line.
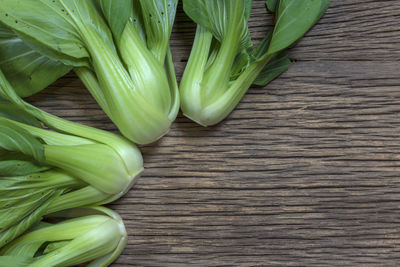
(223, 63)
(132, 80)
(142, 30)
(96, 239)
(69, 166)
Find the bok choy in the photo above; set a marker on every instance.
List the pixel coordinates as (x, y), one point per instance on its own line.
(45, 171)
(92, 236)
(223, 63)
(124, 61)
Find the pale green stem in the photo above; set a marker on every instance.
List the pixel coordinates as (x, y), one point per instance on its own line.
(191, 84)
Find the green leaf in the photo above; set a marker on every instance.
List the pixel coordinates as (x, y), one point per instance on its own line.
(218, 15)
(262, 47)
(241, 63)
(14, 138)
(28, 71)
(276, 64)
(158, 17)
(117, 14)
(120, 13)
(275, 67)
(12, 164)
(247, 9)
(272, 5)
(9, 232)
(41, 31)
(294, 19)
(13, 112)
(54, 246)
(153, 21)
(88, 22)
(197, 11)
(25, 199)
(19, 167)
(17, 204)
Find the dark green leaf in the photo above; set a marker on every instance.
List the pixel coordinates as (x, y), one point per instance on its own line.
(88, 21)
(15, 138)
(272, 5)
(158, 17)
(217, 16)
(197, 11)
(117, 14)
(25, 199)
(59, 29)
(138, 21)
(10, 231)
(262, 48)
(16, 164)
(42, 30)
(54, 246)
(28, 71)
(13, 112)
(294, 19)
(241, 63)
(275, 67)
(247, 9)
(153, 21)
(15, 205)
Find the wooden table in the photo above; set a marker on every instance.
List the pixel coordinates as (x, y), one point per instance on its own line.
(305, 172)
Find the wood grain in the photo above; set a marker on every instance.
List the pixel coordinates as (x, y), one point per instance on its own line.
(305, 172)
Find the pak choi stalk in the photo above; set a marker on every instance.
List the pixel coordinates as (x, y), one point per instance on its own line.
(142, 30)
(94, 236)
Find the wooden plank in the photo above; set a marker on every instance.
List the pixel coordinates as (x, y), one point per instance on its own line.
(305, 172)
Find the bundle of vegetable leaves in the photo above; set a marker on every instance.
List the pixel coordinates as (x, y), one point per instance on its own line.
(94, 236)
(44, 171)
